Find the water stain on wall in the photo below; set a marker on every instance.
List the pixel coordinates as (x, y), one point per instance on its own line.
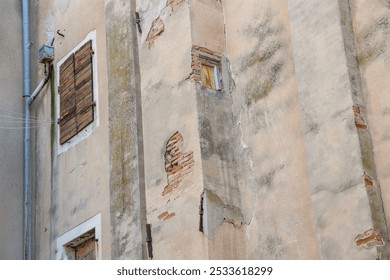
(372, 40)
(266, 59)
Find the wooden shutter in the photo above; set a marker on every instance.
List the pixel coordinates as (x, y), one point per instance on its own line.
(67, 91)
(76, 93)
(84, 86)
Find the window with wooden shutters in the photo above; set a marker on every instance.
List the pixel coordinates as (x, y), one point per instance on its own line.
(76, 92)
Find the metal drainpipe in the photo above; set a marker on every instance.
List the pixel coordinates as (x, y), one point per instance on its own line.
(28, 99)
(41, 84)
(27, 221)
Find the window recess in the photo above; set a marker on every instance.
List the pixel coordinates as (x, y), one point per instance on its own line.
(82, 242)
(82, 247)
(206, 68)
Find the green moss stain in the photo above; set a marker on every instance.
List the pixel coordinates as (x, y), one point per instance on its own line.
(265, 64)
(263, 91)
(122, 127)
(215, 199)
(366, 56)
(371, 41)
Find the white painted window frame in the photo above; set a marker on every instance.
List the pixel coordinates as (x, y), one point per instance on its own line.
(92, 223)
(87, 131)
(217, 78)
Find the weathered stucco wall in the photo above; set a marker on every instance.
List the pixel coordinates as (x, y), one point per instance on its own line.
(274, 188)
(223, 223)
(71, 187)
(207, 28)
(286, 161)
(334, 157)
(11, 131)
(169, 106)
(371, 29)
(127, 202)
(280, 138)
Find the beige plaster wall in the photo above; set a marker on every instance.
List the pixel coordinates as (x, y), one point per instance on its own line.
(371, 27)
(72, 186)
(169, 105)
(333, 148)
(274, 186)
(279, 163)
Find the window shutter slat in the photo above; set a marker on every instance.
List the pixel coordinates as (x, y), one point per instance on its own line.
(67, 94)
(68, 130)
(83, 60)
(68, 105)
(68, 62)
(83, 76)
(66, 72)
(85, 118)
(84, 86)
(83, 57)
(68, 125)
(85, 90)
(67, 83)
(67, 91)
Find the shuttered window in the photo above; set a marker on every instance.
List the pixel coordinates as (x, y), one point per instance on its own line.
(76, 93)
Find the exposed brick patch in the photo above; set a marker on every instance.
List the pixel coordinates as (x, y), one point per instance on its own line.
(165, 216)
(195, 66)
(178, 164)
(169, 216)
(369, 239)
(155, 31)
(368, 181)
(162, 215)
(359, 121)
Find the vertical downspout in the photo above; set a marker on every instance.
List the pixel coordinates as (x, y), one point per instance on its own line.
(27, 223)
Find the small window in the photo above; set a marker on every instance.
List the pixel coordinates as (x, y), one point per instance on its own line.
(76, 92)
(82, 247)
(206, 68)
(82, 242)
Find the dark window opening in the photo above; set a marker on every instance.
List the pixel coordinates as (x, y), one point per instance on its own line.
(82, 247)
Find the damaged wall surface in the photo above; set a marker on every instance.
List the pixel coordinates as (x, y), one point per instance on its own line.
(252, 129)
(71, 185)
(273, 173)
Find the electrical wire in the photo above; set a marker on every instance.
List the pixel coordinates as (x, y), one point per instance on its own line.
(15, 120)
(7, 113)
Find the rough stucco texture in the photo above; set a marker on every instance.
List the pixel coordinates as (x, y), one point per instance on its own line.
(332, 145)
(371, 26)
